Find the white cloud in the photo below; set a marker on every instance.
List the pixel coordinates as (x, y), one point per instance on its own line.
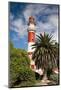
(38, 9)
(18, 26)
(50, 26)
(33, 9)
(53, 19)
(11, 16)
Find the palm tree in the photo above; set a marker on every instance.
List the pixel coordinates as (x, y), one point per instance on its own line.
(45, 53)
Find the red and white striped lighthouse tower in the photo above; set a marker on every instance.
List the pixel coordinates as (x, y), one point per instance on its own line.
(31, 38)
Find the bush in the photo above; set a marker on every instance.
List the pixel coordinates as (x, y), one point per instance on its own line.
(19, 70)
(26, 77)
(25, 84)
(26, 74)
(19, 56)
(54, 78)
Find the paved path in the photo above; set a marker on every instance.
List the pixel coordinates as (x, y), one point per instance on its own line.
(43, 82)
(40, 83)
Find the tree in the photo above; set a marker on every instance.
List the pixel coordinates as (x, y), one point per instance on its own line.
(19, 68)
(45, 53)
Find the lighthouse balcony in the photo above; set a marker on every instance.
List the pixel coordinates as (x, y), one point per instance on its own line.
(31, 27)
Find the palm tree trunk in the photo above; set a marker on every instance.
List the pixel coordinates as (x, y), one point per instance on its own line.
(45, 78)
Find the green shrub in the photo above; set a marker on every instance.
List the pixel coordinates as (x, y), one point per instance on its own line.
(22, 75)
(19, 68)
(19, 56)
(25, 84)
(26, 77)
(26, 74)
(54, 78)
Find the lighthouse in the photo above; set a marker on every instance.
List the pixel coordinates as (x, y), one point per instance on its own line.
(31, 39)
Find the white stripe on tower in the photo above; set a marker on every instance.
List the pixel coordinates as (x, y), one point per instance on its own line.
(30, 47)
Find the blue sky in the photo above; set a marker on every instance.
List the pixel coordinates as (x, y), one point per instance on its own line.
(46, 17)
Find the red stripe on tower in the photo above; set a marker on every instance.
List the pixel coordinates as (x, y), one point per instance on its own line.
(31, 37)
